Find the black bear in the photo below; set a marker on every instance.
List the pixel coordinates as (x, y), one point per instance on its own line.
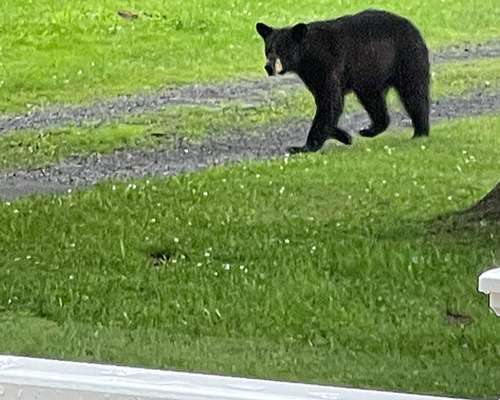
(366, 53)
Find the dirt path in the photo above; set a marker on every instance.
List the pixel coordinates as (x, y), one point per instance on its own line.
(251, 92)
(184, 156)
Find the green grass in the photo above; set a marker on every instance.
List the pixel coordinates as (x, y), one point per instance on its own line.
(60, 51)
(325, 268)
(39, 148)
(457, 78)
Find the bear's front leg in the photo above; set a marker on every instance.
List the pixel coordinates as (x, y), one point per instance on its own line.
(329, 106)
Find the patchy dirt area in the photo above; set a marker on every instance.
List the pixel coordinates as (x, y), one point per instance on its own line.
(467, 51)
(184, 156)
(247, 92)
(252, 92)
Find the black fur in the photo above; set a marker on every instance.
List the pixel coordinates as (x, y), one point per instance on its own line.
(365, 53)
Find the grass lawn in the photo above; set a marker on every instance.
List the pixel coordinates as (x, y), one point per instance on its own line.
(42, 147)
(60, 51)
(326, 268)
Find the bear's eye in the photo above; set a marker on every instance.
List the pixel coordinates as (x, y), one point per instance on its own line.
(270, 51)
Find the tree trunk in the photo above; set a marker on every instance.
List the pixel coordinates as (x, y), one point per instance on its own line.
(488, 207)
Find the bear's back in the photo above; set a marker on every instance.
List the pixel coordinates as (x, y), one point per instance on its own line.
(369, 24)
(367, 48)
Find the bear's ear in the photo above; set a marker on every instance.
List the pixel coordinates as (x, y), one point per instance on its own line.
(299, 31)
(263, 30)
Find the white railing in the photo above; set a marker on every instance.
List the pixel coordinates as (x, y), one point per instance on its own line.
(489, 283)
(24, 378)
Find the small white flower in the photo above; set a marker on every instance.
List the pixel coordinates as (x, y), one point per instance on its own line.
(176, 240)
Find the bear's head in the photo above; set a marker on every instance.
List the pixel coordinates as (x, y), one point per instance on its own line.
(283, 47)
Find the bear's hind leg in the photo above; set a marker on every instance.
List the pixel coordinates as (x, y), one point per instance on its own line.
(417, 104)
(376, 107)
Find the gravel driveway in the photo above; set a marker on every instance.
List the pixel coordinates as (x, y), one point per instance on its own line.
(231, 146)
